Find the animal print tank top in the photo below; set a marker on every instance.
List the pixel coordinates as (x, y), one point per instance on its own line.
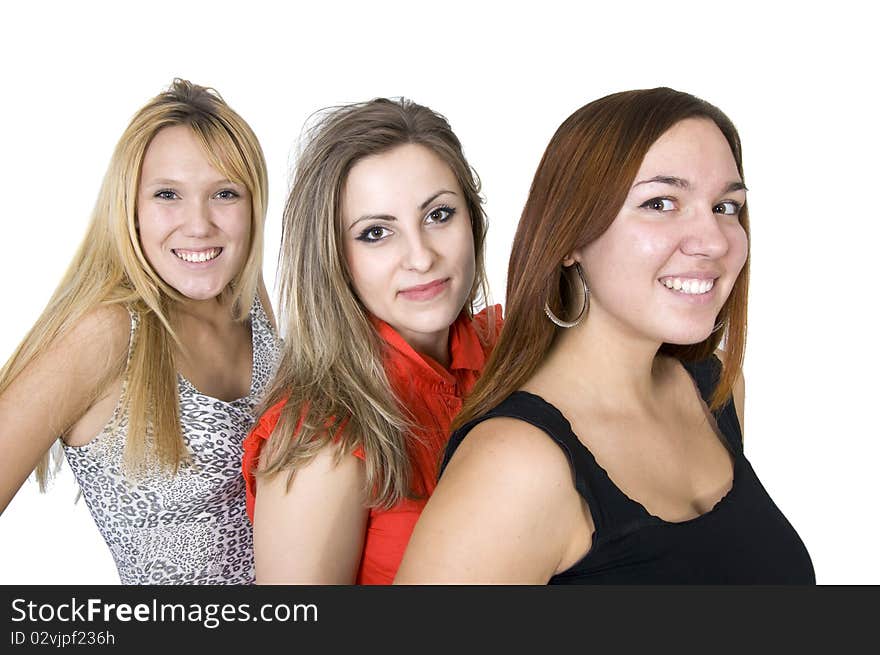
(192, 527)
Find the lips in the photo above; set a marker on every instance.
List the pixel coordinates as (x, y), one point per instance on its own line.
(425, 291)
(197, 255)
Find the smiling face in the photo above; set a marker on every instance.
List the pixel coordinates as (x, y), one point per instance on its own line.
(194, 224)
(669, 260)
(408, 242)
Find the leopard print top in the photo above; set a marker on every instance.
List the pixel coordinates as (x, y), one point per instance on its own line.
(192, 527)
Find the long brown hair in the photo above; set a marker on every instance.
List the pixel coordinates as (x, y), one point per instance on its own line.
(579, 187)
(331, 370)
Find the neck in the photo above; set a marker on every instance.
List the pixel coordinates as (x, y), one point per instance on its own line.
(435, 345)
(605, 361)
(216, 311)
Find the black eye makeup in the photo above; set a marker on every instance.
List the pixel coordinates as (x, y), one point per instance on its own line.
(227, 194)
(165, 194)
(373, 234)
(662, 204)
(440, 214)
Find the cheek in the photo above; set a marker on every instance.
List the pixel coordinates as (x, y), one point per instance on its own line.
(738, 249)
(628, 254)
(368, 272)
(655, 244)
(237, 223)
(150, 232)
(463, 250)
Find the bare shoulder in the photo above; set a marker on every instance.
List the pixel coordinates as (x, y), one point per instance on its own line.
(504, 511)
(510, 462)
(511, 449)
(107, 324)
(96, 345)
(57, 387)
(88, 350)
(300, 540)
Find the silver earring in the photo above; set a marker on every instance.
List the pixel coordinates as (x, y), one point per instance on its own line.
(569, 324)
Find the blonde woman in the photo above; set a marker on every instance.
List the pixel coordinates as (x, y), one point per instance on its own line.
(154, 349)
(381, 270)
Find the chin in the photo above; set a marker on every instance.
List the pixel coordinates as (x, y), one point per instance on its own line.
(433, 320)
(687, 337)
(198, 293)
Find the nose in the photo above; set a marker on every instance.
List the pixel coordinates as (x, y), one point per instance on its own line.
(420, 255)
(705, 236)
(198, 221)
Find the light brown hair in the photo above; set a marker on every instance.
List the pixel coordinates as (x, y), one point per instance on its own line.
(331, 370)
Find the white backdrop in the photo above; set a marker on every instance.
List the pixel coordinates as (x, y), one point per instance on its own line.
(795, 81)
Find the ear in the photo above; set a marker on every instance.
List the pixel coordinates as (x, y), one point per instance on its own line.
(571, 258)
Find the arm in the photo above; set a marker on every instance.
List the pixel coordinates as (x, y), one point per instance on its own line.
(505, 511)
(312, 533)
(56, 389)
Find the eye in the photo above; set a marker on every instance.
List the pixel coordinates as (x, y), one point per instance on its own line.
(373, 234)
(227, 194)
(659, 204)
(728, 208)
(440, 214)
(166, 194)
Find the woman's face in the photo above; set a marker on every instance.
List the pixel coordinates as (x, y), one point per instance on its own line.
(408, 241)
(194, 224)
(668, 262)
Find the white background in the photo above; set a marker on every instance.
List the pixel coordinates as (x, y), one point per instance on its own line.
(796, 81)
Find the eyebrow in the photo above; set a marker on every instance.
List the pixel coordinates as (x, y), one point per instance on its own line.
(167, 181)
(425, 204)
(389, 217)
(681, 183)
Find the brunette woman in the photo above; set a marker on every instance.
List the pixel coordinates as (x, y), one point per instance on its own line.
(603, 443)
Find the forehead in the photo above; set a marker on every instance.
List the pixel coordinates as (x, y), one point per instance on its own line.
(399, 176)
(693, 149)
(175, 151)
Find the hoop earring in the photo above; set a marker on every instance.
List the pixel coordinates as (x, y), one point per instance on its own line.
(580, 317)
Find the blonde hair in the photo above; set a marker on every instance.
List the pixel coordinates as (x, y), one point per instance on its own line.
(331, 369)
(110, 268)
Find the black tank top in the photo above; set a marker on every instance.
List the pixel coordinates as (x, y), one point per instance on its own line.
(743, 539)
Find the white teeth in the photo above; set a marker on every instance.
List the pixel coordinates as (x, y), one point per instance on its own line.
(195, 257)
(691, 287)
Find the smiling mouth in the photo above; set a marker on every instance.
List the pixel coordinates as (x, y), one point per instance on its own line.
(197, 256)
(688, 286)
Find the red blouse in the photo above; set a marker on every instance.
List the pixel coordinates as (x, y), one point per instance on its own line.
(434, 395)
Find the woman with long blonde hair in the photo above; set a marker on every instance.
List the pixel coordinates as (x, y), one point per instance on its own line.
(603, 443)
(154, 349)
(381, 273)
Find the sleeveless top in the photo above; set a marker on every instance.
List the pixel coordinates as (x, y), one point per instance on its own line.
(192, 527)
(433, 395)
(743, 539)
